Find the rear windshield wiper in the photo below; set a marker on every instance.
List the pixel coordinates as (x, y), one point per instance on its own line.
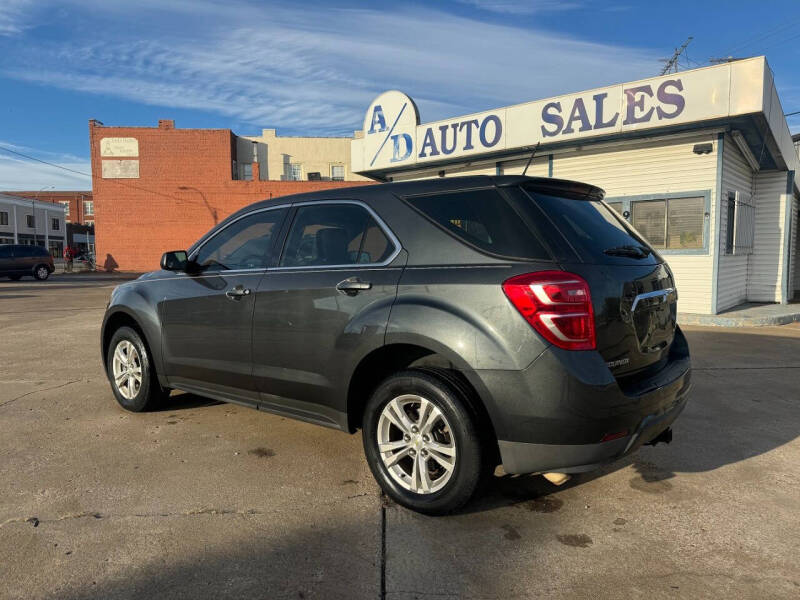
(629, 251)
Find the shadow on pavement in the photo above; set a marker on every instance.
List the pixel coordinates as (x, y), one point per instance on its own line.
(184, 401)
(325, 562)
(731, 417)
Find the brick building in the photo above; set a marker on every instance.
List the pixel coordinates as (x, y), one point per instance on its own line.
(79, 205)
(161, 188)
(79, 213)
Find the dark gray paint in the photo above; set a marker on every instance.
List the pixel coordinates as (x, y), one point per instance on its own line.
(293, 344)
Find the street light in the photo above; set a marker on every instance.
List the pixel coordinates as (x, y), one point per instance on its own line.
(33, 211)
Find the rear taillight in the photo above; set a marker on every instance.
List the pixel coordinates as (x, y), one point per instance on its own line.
(558, 305)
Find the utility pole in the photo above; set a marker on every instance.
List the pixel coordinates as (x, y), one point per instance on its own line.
(672, 62)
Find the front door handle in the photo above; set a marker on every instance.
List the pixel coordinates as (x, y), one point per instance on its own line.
(352, 286)
(237, 293)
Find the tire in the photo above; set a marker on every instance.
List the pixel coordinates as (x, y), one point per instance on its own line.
(135, 395)
(41, 272)
(454, 440)
(15, 277)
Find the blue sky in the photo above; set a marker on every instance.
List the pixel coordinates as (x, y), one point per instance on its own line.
(312, 68)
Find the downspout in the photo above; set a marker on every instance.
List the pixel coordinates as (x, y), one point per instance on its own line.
(787, 237)
(715, 237)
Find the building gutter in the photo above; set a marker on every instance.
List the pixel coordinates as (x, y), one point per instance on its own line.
(715, 237)
(787, 237)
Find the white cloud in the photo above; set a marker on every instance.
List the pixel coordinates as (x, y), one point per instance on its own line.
(13, 16)
(523, 7)
(18, 173)
(275, 67)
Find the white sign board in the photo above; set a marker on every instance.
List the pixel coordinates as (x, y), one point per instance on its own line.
(120, 169)
(119, 146)
(394, 139)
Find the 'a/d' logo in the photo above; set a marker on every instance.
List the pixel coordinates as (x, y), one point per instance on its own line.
(389, 129)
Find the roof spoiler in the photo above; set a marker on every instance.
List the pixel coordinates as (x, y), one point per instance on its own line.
(574, 190)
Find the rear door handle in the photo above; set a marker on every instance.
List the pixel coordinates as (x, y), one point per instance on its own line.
(237, 292)
(352, 286)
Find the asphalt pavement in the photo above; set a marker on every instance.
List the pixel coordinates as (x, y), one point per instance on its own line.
(208, 500)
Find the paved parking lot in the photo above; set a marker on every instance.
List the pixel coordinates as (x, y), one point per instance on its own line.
(211, 500)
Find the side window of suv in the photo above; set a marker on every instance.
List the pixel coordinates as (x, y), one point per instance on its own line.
(244, 244)
(335, 234)
(484, 219)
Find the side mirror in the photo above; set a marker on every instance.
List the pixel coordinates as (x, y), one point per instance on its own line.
(176, 260)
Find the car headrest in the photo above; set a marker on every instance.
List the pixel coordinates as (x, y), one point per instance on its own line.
(332, 246)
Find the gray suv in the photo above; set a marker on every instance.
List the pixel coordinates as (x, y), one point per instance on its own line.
(18, 260)
(459, 323)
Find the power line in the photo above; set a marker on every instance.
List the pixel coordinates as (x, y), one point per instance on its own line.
(44, 162)
(63, 168)
(763, 35)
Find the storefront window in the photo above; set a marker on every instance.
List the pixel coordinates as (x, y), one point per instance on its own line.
(56, 249)
(670, 224)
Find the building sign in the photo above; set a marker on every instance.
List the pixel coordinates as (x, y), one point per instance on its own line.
(395, 139)
(119, 146)
(120, 169)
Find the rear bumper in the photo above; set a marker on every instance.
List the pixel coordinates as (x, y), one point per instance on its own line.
(523, 457)
(553, 415)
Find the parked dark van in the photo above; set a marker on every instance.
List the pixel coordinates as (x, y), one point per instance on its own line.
(459, 323)
(19, 260)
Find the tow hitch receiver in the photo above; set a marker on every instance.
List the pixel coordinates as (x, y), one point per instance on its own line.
(665, 437)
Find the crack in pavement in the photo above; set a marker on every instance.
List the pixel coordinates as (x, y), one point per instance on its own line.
(96, 515)
(55, 387)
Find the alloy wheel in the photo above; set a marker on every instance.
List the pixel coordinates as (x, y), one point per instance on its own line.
(127, 367)
(416, 444)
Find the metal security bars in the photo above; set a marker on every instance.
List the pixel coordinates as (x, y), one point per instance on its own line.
(740, 225)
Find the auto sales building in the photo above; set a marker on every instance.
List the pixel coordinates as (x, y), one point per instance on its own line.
(701, 162)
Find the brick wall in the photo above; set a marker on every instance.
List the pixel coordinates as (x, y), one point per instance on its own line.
(184, 188)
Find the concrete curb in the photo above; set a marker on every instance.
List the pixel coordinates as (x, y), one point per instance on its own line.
(723, 321)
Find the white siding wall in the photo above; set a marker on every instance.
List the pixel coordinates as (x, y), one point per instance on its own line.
(766, 262)
(484, 168)
(737, 176)
(656, 167)
(539, 166)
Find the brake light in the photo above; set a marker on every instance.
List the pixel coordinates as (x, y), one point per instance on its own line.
(558, 305)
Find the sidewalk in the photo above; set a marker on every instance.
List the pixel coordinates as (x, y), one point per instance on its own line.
(749, 314)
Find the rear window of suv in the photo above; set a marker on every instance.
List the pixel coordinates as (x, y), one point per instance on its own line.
(594, 229)
(482, 218)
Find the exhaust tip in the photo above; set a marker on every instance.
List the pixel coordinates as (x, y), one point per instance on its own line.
(663, 437)
(556, 478)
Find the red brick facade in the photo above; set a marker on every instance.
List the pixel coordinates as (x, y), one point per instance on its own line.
(80, 213)
(184, 188)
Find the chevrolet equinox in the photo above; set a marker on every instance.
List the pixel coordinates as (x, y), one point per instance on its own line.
(459, 323)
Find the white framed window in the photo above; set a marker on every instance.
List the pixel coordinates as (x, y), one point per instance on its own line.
(3, 218)
(671, 223)
(30, 221)
(88, 207)
(294, 172)
(337, 172)
(55, 224)
(65, 204)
